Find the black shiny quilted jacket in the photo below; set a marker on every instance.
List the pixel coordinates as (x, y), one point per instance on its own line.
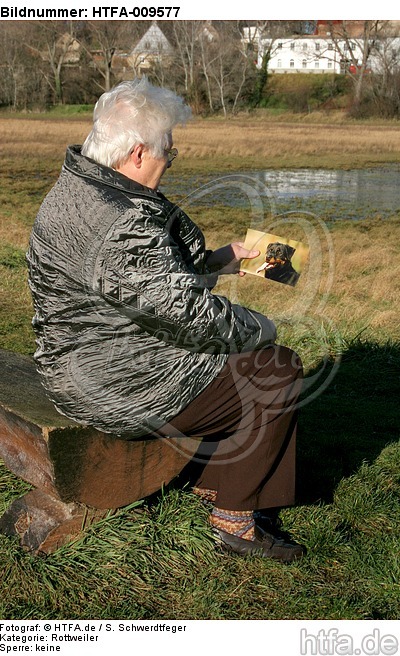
(128, 331)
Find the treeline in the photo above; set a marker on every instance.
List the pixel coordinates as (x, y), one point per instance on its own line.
(45, 63)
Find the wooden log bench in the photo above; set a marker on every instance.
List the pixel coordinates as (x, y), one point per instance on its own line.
(78, 472)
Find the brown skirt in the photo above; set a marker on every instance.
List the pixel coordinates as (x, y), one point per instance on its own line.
(246, 419)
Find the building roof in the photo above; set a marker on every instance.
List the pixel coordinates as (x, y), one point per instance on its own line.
(153, 41)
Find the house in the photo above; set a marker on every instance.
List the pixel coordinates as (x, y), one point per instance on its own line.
(336, 28)
(310, 54)
(66, 49)
(314, 54)
(333, 47)
(71, 47)
(152, 49)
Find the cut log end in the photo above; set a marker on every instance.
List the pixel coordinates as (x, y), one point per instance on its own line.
(43, 524)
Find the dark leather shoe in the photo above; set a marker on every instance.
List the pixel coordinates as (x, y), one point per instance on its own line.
(264, 545)
(271, 523)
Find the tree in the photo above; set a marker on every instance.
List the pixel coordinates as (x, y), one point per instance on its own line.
(265, 42)
(101, 40)
(385, 78)
(355, 51)
(255, 44)
(225, 64)
(12, 78)
(54, 45)
(187, 45)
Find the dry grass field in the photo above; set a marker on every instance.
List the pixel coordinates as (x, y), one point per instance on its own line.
(243, 142)
(348, 281)
(350, 287)
(250, 144)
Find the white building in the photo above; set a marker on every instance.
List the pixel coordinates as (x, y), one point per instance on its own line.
(153, 48)
(316, 54)
(309, 54)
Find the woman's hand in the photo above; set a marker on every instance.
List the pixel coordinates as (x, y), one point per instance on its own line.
(227, 259)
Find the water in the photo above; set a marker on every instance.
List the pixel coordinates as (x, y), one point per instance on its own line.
(333, 194)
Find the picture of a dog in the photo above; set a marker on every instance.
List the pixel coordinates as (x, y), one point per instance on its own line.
(278, 266)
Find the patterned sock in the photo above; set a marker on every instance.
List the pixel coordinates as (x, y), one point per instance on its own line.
(205, 494)
(237, 522)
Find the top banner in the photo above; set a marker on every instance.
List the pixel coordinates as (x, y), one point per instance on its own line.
(190, 10)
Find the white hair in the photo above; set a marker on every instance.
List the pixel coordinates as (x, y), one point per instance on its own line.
(134, 112)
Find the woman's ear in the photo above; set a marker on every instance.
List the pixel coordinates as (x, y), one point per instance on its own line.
(136, 155)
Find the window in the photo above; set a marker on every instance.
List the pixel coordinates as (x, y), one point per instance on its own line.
(316, 65)
(350, 46)
(330, 65)
(291, 63)
(279, 63)
(317, 46)
(292, 45)
(280, 45)
(305, 46)
(304, 63)
(330, 46)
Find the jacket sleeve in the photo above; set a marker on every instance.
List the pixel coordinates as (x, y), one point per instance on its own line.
(141, 271)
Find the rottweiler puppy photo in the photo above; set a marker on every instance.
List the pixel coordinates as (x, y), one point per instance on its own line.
(278, 266)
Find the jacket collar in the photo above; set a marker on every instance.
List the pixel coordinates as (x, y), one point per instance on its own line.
(85, 167)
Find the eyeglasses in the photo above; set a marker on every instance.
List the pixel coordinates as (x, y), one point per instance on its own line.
(171, 154)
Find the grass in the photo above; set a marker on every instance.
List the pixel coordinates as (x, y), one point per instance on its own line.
(245, 142)
(254, 144)
(156, 559)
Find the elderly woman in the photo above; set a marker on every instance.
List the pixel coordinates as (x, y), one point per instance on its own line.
(130, 337)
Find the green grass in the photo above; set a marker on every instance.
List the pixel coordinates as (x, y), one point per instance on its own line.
(53, 111)
(156, 559)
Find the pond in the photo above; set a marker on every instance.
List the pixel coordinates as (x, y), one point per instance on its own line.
(332, 194)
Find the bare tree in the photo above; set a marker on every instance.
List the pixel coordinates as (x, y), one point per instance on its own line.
(187, 46)
(355, 50)
(101, 40)
(225, 64)
(12, 70)
(205, 56)
(385, 78)
(54, 45)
